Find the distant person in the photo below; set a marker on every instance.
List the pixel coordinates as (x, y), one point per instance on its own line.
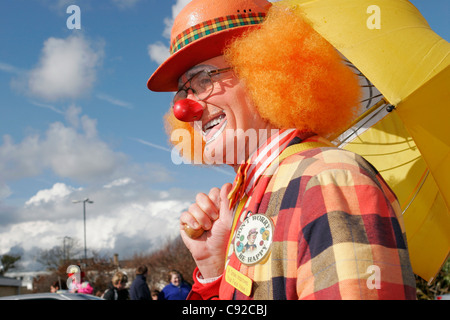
(78, 281)
(58, 286)
(139, 289)
(117, 289)
(177, 289)
(155, 294)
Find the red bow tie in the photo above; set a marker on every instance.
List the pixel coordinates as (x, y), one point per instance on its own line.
(239, 185)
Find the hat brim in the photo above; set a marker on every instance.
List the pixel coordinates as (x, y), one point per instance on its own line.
(166, 76)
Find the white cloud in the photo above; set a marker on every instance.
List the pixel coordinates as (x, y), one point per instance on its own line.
(73, 151)
(5, 191)
(72, 116)
(19, 160)
(158, 52)
(176, 9)
(80, 156)
(28, 235)
(178, 6)
(67, 68)
(57, 192)
(121, 220)
(118, 183)
(9, 68)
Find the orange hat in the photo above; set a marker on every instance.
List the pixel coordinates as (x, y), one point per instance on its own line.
(201, 31)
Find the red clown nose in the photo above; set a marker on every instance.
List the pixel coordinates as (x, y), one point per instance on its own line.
(187, 110)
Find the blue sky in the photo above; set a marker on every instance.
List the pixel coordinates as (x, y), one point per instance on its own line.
(78, 121)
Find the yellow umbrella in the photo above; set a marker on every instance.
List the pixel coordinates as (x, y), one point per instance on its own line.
(404, 131)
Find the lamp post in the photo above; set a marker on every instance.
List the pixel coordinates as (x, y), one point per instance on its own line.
(66, 257)
(84, 218)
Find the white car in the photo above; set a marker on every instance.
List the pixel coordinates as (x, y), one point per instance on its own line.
(52, 296)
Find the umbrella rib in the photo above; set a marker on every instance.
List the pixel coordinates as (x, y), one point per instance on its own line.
(376, 96)
(417, 191)
(369, 84)
(362, 125)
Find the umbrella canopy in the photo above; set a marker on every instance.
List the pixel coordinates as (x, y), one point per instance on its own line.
(403, 128)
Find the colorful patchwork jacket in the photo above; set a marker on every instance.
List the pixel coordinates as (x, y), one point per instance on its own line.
(338, 232)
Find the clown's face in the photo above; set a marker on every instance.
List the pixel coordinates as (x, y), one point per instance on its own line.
(230, 125)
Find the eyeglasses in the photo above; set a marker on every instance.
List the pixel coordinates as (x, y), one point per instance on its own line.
(201, 84)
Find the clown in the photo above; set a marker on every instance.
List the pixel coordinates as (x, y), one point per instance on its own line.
(263, 91)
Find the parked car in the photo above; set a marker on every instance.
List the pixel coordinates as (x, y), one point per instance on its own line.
(52, 296)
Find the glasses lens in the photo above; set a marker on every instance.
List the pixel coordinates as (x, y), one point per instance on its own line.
(181, 94)
(202, 85)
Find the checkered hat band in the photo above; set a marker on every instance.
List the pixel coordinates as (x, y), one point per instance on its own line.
(215, 25)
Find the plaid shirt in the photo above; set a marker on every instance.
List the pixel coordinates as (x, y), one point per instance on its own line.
(339, 233)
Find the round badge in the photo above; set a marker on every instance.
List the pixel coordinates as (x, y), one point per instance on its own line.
(253, 239)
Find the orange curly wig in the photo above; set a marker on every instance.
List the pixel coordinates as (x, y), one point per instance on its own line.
(296, 78)
(185, 142)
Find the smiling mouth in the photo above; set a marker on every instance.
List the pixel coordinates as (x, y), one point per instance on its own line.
(214, 127)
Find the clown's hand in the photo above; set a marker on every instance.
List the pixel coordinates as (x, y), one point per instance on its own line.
(211, 214)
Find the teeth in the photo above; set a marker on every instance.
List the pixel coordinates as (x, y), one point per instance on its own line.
(210, 124)
(218, 133)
